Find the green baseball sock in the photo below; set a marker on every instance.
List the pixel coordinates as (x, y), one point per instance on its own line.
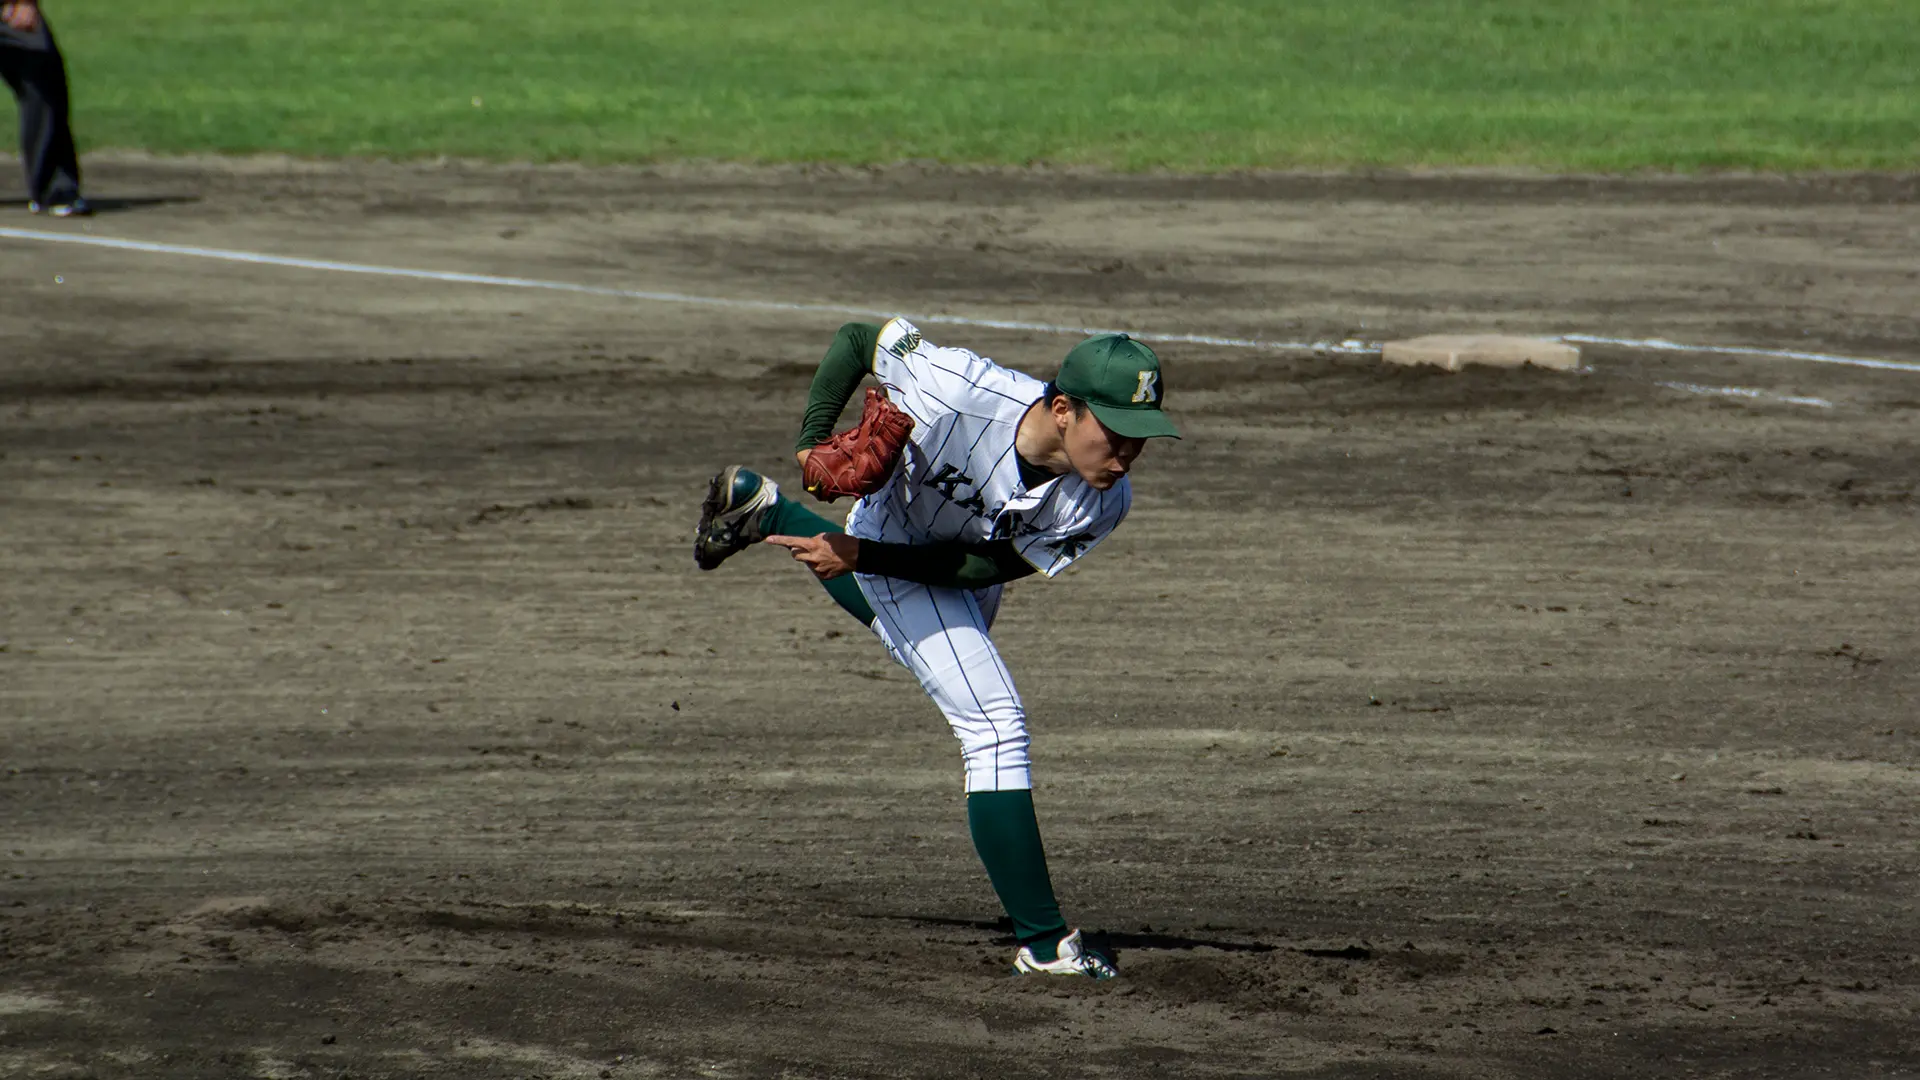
(789, 518)
(1007, 835)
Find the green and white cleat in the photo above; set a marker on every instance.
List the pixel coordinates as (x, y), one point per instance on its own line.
(732, 516)
(1074, 959)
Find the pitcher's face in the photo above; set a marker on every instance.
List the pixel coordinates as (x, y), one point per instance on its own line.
(1100, 457)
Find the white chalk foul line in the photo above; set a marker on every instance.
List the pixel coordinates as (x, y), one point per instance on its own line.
(1348, 347)
(1749, 393)
(455, 277)
(1662, 345)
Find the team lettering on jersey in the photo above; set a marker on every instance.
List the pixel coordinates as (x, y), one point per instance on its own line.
(1072, 546)
(1011, 523)
(1006, 524)
(903, 345)
(948, 481)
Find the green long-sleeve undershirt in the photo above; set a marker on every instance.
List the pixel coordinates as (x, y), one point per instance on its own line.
(951, 564)
(849, 359)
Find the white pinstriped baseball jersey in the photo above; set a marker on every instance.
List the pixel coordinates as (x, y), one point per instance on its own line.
(960, 478)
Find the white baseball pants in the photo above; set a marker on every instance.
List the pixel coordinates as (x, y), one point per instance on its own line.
(941, 636)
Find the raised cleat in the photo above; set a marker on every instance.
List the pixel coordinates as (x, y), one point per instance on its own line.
(1074, 959)
(730, 519)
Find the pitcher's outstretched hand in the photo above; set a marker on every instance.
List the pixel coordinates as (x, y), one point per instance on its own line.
(828, 555)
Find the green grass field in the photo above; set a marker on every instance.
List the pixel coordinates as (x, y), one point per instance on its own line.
(1552, 84)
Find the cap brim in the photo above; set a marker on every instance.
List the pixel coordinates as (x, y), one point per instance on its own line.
(1135, 423)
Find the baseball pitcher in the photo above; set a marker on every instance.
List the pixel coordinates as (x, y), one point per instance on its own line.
(970, 476)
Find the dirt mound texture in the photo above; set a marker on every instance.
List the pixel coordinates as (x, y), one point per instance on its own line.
(362, 712)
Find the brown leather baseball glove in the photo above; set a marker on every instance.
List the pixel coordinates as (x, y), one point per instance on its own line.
(860, 460)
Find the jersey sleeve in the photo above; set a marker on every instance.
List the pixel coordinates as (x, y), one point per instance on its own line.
(1075, 532)
(928, 381)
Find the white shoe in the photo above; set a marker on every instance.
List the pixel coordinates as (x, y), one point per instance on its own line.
(79, 207)
(1074, 960)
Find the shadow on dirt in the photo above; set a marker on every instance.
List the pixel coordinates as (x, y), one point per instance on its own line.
(1110, 942)
(119, 204)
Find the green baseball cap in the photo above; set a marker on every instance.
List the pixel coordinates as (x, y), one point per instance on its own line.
(1119, 379)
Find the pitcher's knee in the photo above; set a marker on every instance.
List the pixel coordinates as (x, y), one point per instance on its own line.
(998, 761)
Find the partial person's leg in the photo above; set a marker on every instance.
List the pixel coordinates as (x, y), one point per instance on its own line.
(1006, 835)
(38, 76)
(989, 601)
(15, 63)
(789, 518)
(941, 636)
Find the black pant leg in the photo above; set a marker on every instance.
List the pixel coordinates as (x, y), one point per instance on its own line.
(37, 75)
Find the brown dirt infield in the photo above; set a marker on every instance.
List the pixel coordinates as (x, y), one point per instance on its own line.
(362, 713)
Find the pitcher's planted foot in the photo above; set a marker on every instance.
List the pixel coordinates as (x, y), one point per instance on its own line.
(1074, 959)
